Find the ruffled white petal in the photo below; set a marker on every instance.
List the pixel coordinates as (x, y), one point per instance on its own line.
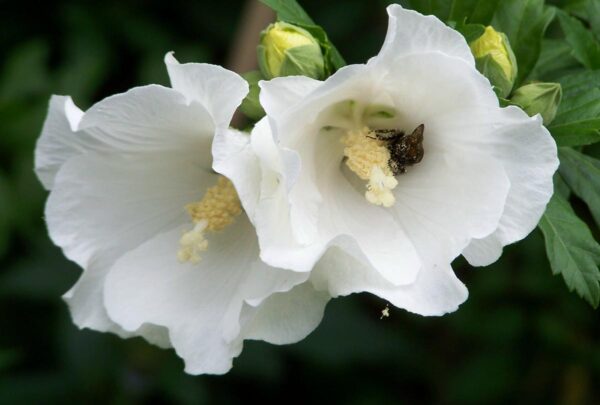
(150, 119)
(304, 207)
(272, 217)
(233, 157)
(219, 90)
(344, 212)
(59, 140)
(103, 206)
(288, 317)
(412, 33)
(529, 155)
(200, 305)
(435, 291)
(448, 199)
(281, 93)
(107, 205)
(86, 305)
(351, 82)
(147, 118)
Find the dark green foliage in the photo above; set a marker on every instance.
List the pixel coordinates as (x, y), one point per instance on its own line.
(578, 118)
(571, 249)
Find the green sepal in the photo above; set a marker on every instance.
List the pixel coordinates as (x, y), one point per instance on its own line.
(494, 73)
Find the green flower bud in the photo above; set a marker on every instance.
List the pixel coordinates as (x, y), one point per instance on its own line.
(251, 105)
(495, 60)
(288, 50)
(539, 98)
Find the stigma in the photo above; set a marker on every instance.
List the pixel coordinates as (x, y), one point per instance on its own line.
(368, 157)
(214, 212)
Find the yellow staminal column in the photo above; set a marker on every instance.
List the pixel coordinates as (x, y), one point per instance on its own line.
(368, 158)
(214, 212)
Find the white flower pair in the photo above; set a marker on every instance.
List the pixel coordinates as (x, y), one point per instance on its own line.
(196, 236)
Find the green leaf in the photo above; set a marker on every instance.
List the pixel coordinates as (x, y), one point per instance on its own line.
(438, 8)
(483, 12)
(577, 83)
(555, 60)
(461, 9)
(473, 11)
(571, 249)
(470, 31)
(593, 14)
(586, 49)
(291, 12)
(524, 22)
(587, 10)
(582, 174)
(578, 119)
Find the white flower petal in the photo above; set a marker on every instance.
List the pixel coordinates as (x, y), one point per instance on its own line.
(86, 305)
(448, 199)
(425, 89)
(288, 317)
(344, 211)
(436, 290)
(530, 158)
(351, 82)
(143, 119)
(219, 90)
(281, 93)
(410, 32)
(322, 205)
(200, 304)
(107, 205)
(150, 119)
(103, 206)
(59, 140)
(233, 157)
(272, 215)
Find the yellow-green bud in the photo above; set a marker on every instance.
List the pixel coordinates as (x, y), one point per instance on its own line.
(539, 98)
(251, 105)
(495, 59)
(288, 50)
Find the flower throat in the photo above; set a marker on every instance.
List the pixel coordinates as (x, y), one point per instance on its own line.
(378, 156)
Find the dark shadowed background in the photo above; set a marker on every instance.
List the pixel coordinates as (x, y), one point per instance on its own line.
(520, 337)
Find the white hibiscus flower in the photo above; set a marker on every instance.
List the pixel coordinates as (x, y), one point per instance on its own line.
(389, 212)
(167, 252)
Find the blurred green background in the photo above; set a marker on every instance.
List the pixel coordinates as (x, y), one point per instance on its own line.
(521, 336)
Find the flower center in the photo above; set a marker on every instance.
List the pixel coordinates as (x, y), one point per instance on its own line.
(368, 157)
(379, 155)
(214, 212)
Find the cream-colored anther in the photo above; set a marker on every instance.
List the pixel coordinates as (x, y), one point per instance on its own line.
(363, 151)
(214, 212)
(369, 158)
(379, 188)
(219, 206)
(192, 243)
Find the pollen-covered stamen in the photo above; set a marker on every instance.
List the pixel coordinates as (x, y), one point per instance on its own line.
(192, 243)
(379, 188)
(214, 212)
(219, 206)
(368, 157)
